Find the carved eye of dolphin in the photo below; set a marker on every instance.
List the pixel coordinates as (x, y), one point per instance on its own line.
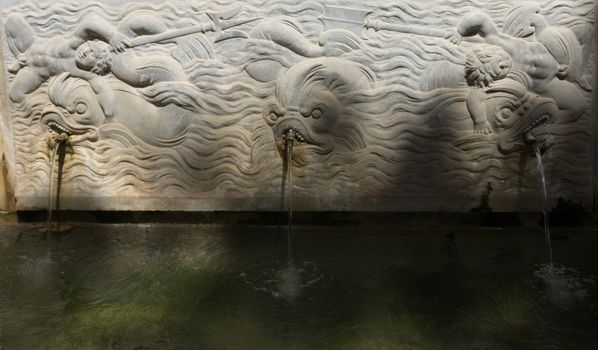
(81, 108)
(320, 108)
(315, 113)
(503, 112)
(273, 116)
(273, 113)
(81, 113)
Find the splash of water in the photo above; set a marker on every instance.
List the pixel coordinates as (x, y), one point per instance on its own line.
(540, 165)
(563, 286)
(287, 282)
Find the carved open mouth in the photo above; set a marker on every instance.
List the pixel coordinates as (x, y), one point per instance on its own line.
(537, 123)
(293, 128)
(58, 121)
(531, 128)
(57, 128)
(294, 135)
(538, 132)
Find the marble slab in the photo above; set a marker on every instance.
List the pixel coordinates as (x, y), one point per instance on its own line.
(402, 105)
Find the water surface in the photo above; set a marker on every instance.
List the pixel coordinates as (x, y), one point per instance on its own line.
(224, 287)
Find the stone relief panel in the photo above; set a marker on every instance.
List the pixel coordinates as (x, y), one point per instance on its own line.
(404, 105)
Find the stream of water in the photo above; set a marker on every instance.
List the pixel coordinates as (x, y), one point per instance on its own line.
(51, 190)
(545, 203)
(289, 141)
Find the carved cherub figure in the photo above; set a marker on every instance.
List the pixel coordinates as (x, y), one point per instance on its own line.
(137, 71)
(482, 67)
(38, 59)
(569, 46)
(541, 66)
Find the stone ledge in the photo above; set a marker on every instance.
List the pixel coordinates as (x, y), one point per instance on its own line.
(397, 220)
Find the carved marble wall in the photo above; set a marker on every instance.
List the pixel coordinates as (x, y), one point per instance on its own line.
(395, 105)
(4, 205)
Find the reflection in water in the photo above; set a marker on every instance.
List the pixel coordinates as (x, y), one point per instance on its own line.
(225, 287)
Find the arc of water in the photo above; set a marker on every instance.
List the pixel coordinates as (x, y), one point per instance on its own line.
(540, 165)
(51, 189)
(289, 140)
(57, 141)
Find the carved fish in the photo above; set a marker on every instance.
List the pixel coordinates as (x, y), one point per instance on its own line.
(74, 110)
(312, 97)
(515, 114)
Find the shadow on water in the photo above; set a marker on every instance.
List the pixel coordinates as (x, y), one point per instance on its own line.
(198, 286)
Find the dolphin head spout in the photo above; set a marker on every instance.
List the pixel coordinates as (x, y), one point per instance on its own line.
(73, 108)
(312, 98)
(518, 116)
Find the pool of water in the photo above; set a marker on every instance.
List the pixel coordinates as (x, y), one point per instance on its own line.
(224, 287)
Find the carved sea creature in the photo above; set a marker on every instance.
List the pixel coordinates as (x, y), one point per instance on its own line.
(481, 68)
(74, 110)
(516, 115)
(311, 99)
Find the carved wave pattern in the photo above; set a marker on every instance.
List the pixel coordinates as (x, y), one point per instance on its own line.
(31, 147)
(230, 151)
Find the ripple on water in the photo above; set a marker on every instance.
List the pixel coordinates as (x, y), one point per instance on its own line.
(563, 286)
(286, 280)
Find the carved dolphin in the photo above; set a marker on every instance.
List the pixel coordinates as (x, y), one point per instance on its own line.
(74, 110)
(515, 114)
(311, 98)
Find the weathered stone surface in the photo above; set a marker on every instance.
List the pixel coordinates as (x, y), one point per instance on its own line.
(405, 105)
(3, 193)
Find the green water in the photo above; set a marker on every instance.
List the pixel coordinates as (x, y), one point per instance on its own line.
(224, 287)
